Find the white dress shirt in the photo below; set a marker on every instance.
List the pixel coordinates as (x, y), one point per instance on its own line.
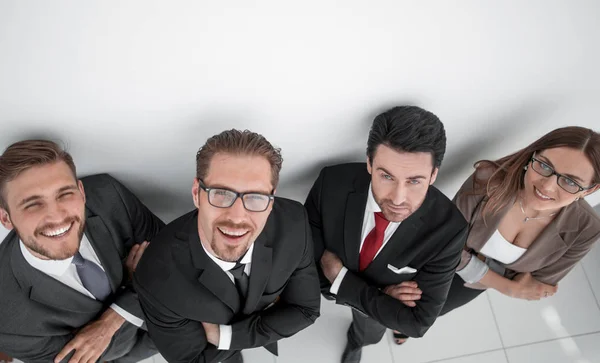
(66, 272)
(225, 333)
(368, 224)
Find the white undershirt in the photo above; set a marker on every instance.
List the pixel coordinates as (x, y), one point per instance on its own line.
(368, 224)
(498, 248)
(66, 272)
(225, 332)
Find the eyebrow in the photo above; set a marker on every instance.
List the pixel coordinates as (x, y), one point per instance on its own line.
(547, 161)
(219, 186)
(36, 197)
(410, 177)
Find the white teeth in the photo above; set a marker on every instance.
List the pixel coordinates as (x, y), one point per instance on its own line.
(232, 232)
(540, 194)
(57, 232)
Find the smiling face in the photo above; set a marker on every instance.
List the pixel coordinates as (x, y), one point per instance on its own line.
(46, 207)
(400, 180)
(227, 233)
(543, 193)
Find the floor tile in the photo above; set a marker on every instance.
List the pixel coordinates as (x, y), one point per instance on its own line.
(258, 355)
(325, 340)
(582, 349)
(591, 265)
(497, 356)
(467, 330)
(572, 311)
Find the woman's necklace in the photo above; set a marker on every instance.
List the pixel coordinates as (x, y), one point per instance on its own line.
(532, 218)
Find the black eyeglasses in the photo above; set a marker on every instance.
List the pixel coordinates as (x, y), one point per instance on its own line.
(568, 184)
(224, 198)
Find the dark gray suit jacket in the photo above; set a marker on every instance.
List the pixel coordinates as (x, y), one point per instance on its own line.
(180, 287)
(430, 241)
(39, 315)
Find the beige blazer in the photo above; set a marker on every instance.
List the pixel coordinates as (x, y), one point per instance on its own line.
(565, 241)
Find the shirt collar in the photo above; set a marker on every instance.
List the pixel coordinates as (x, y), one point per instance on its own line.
(372, 205)
(226, 266)
(49, 267)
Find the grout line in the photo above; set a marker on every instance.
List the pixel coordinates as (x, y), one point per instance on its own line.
(487, 295)
(389, 341)
(464, 355)
(590, 284)
(553, 339)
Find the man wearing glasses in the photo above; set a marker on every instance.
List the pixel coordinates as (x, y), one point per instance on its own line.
(238, 271)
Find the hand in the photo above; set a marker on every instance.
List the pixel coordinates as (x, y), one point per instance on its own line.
(92, 340)
(528, 288)
(407, 291)
(331, 265)
(134, 257)
(5, 358)
(213, 333)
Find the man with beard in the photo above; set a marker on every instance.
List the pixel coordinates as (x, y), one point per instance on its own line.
(238, 271)
(65, 268)
(388, 242)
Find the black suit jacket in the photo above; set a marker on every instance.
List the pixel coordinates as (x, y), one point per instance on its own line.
(180, 287)
(38, 314)
(430, 241)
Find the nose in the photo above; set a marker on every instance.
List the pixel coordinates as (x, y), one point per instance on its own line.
(55, 213)
(549, 183)
(399, 195)
(237, 212)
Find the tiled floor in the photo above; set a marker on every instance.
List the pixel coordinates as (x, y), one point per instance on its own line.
(492, 329)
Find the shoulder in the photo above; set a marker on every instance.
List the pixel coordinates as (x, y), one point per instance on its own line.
(588, 221)
(347, 169)
(443, 209)
(101, 188)
(168, 252)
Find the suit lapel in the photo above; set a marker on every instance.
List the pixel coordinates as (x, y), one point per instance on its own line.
(480, 231)
(45, 289)
(353, 222)
(103, 245)
(549, 241)
(261, 270)
(211, 276)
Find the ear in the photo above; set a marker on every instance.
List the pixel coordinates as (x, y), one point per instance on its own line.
(195, 188)
(434, 175)
(5, 219)
(81, 190)
(590, 191)
(369, 166)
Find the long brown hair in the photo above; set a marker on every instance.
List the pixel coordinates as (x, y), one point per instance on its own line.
(507, 173)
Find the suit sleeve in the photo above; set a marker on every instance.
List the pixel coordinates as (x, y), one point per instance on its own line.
(556, 271)
(145, 225)
(434, 279)
(297, 308)
(34, 349)
(179, 340)
(313, 208)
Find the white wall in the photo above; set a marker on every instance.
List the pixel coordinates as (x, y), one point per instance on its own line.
(135, 87)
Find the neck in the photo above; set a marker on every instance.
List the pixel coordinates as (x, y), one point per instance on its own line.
(536, 213)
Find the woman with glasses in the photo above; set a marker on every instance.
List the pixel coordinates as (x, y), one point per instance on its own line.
(528, 222)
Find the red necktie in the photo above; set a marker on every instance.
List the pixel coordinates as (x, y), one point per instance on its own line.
(373, 241)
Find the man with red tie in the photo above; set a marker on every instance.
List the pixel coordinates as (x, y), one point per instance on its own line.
(388, 242)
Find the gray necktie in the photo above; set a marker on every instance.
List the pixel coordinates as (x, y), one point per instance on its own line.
(241, 279)
(92, 277)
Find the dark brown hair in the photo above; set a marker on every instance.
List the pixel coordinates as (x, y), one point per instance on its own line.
(26, 154)
(502, 179)
(239, 143)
